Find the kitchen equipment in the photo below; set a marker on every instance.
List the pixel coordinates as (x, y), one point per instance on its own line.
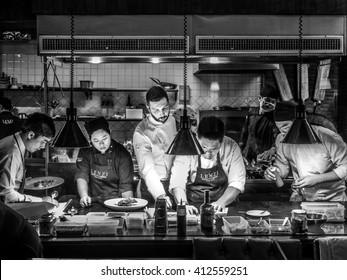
(259, 226)
(235, 224)
(258, 213)
(299, 221)
(160, 217)
(163, 84)
(316, 218)
(335, 211)
(277, 227)
(113, 204)
(87, 84)
(71, 226)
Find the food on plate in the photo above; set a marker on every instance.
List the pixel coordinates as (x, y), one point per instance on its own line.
(44, 183)
(127, 202)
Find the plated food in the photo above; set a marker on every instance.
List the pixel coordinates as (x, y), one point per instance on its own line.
(126, 204)
(43, 183)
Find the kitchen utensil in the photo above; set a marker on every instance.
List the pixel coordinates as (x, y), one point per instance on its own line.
(285, 221)
(113, 204)
(316, 218)
(163, 84)
(258, 213)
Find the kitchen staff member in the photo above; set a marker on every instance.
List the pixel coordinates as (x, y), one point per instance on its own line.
(259, 130)
(220, 169)
(152, 138)
(9, 124)
(319, 170)
(105, 170)
(38, 129)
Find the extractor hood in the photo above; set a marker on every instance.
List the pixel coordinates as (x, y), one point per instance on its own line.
(228, 38)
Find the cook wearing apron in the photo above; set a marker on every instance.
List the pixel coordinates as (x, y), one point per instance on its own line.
(213, 179)
(108, 175)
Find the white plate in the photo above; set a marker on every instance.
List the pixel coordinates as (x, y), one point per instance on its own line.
(258, 213)
(30, 183)
(113, 204)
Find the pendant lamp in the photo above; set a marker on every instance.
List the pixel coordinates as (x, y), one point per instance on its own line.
(185, 142)
(71, 135)
(301, 131)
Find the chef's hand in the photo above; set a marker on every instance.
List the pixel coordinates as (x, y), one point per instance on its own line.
(50, 200)
(86, 201)
(192, 210)
(217, 206)
(269, 173)
(267, 155)
(168, 200)
(307, 181)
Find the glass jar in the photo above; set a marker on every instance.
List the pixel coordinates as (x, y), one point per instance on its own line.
(46, 225)
(299, 221)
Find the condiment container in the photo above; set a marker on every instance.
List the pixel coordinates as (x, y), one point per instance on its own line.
(46, 225)
(160, 217)
(298, 221)
(181, 220)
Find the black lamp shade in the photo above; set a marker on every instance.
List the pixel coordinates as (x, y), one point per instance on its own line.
(70, 135)
(185, 143)
(301, 131)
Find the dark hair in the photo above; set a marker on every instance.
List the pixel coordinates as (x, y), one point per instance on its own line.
(211, 128)
(6, 103)
(270, 91)
(96, 124)
(156, 93)
(40, 124)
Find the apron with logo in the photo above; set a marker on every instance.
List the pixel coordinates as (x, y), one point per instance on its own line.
(103, 179)
(213, 179)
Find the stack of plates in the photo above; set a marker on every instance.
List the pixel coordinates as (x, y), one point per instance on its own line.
(5, 82)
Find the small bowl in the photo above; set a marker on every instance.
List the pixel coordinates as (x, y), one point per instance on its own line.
(316, 218)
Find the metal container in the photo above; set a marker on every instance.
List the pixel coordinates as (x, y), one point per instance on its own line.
(86, 84)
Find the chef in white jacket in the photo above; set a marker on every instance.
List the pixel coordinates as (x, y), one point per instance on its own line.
(152, 137)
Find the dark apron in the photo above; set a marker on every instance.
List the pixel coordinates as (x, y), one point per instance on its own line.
(213, 179)
(103, 179)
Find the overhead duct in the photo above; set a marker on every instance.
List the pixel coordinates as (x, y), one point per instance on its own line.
(269, 45)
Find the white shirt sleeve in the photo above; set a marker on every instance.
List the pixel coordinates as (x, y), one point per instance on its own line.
(143, 152)
(180, 172)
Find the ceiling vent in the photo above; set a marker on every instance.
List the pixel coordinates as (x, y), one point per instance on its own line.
(111, 45)
(269, 45)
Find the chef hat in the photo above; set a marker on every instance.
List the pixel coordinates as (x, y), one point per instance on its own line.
(284, 111)
(96, 124)
(269, 91)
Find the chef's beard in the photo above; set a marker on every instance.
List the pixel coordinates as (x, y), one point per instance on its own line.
(162, 119)
(267, 108)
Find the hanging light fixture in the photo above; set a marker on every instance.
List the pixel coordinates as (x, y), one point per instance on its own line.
(301, 131)
(71, 135)
(185, 142)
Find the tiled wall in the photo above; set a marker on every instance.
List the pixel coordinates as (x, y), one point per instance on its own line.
(27, 67)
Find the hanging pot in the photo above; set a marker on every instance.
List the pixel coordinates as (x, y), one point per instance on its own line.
(163, 84)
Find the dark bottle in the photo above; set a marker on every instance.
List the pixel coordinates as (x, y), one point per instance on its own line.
(160, 217)
(181, 220)
(129, 105)
(206, 213)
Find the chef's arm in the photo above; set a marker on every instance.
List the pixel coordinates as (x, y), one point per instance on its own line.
(180, 194)
(143, 152)
(128, 194)
(228, 197)
(82, 187)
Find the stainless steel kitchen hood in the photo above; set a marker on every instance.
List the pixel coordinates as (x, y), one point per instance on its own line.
(230, 38)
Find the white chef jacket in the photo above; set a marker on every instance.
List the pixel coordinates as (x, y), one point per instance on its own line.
(11, 169)
(310, 159)
(185, 167)
(151, 140)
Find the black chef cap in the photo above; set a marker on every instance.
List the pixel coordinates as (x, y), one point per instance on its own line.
(96, 124)
(284, 111)
(269, 91)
